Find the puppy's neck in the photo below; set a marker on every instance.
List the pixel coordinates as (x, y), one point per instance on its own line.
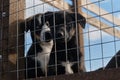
(46, 46)
(43, 56)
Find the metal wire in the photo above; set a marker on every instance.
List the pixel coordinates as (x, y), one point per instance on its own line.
(94, 38)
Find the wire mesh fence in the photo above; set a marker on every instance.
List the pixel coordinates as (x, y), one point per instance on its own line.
(41, 38)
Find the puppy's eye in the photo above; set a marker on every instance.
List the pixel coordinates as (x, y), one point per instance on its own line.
(70, 24)
(37, 27)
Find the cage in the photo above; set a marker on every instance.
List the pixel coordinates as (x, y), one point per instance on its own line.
(88, 47)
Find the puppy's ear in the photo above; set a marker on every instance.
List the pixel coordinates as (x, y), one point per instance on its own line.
(27, 24)
(48, 15)
(80, 19)
(49, 12)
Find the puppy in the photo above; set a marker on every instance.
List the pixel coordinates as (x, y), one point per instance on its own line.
(66, 57)
(114, 62)
(38, 55)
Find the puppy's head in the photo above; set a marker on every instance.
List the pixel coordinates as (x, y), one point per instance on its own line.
(65, 24)
(39, 28)
(45, 34)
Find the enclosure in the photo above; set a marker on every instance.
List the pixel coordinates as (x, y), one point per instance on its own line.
(99, 42)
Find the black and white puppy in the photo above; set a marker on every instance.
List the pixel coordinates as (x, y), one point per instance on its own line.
(66, 57)
(38, 56)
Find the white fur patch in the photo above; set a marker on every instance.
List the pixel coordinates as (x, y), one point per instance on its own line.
(45, 28)
(68, 66)
(39, 19)
(43, 57)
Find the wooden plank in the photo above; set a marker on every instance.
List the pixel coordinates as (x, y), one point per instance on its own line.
(16, 39)
(86, 4)
(109, 74)
(79, 30)
(99, 11)
(0, 26)
(102, 26)
(0, 47)
(4, 20)
(12, 40)
(94, 21)
(60, 4)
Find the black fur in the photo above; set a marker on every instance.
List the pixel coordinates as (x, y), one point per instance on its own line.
(65, 50)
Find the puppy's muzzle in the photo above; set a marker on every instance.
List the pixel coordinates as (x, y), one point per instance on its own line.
(48, 36)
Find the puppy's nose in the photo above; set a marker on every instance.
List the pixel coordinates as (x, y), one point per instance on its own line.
(48, 36)
(47, 23)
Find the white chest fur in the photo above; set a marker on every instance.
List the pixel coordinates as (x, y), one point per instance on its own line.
(43, 57)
